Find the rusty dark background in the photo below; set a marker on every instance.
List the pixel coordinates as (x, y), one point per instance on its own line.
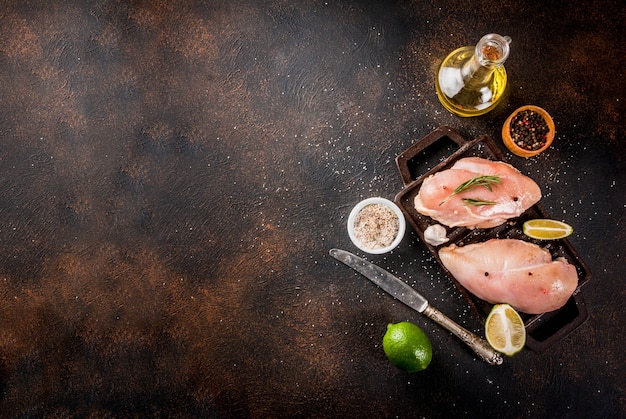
(173, 174)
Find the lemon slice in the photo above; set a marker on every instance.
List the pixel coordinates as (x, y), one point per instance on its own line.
(504, 330)
(544, 229)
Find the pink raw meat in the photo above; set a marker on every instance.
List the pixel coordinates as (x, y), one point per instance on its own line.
(512, 196)
(512, 271)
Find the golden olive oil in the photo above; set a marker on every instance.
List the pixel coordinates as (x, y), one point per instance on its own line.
(471, 80)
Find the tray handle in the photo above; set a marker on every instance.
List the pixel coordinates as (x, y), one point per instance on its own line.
(441, 134)
(553, 327)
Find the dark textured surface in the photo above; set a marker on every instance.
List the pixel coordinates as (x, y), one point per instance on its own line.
(173, 174)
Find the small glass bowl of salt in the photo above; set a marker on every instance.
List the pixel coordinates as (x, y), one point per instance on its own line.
(376, 225)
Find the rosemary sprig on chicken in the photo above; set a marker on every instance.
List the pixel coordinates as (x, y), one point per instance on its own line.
(473, 183)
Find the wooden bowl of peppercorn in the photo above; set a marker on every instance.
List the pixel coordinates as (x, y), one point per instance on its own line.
(528, 131)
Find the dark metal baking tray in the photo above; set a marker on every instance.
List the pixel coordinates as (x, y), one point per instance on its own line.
(438, 151)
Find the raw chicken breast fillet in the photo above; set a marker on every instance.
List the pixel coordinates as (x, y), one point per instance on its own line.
(511, 197)
(512, 271)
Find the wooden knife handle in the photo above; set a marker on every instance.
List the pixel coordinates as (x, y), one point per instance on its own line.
(480, 346)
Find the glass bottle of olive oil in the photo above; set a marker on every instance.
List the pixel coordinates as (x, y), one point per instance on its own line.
(471, 80)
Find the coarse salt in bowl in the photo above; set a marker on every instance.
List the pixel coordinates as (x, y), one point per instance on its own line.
(376, 225)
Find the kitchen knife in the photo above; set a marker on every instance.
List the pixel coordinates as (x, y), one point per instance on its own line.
(405, 293)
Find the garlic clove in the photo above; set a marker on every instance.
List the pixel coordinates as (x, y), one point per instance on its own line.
(435, 235)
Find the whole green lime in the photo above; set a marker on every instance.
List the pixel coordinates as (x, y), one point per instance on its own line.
(407, 346)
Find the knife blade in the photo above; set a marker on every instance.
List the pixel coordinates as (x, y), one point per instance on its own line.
(409, 296)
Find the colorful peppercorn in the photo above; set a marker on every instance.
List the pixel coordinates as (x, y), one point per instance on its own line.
(529, 130)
